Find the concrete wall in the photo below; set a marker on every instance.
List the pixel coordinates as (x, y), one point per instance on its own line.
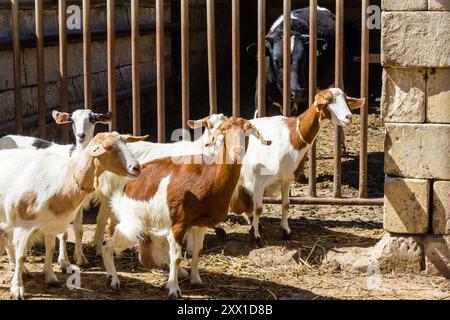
(416, 110)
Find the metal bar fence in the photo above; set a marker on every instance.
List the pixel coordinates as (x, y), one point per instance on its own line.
(312, 198)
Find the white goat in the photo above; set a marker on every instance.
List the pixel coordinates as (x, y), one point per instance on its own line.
(275, 167)
(42, 191)
(83, 124)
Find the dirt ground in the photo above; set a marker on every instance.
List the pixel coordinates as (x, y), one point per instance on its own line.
(236, 269)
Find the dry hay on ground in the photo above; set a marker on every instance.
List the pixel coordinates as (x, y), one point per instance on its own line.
(236, 269)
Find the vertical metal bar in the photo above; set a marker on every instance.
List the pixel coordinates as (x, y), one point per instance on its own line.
(339, 52)
(287, 58)
(236, 58)
(17, 70)
(160, 70)
(40, 66)
(261, 58)
(87, 54)
(111, 43)
(211, 30)
(135, 67)
(364, 93)
(312, 163)
(64, 99)
(185, 104)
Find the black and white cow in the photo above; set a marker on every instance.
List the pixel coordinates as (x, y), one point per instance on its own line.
(299, 58)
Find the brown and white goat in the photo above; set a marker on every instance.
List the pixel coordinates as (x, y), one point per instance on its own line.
(174, 196)
(269, 169)
(41, 192)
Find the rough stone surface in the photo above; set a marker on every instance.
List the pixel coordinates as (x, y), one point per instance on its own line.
(438, 96)
(415, 39)
(406, 205)
(396, 5)
(392, 253)
(403, 96)
(441, 207)
(438, 4)
(437, 255)
(417, 151)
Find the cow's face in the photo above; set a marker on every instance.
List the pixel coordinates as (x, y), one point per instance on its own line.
(299, 44)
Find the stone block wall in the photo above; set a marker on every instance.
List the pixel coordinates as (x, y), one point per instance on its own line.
(415, 53)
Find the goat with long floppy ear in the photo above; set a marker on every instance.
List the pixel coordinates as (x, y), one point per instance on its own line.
(62, 117)
(194, 124)
(355, 103)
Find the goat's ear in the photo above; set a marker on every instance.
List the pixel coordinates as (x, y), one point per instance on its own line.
(194, 124)
(96, 150)
(130, 139)
(61, 117)
(104, 118)
(320, 101)
(355, 103)
(254, 131)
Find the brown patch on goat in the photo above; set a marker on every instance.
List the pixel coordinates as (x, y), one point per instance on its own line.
(198, 194)
(241, 201)
(145, 253)
(27, 206)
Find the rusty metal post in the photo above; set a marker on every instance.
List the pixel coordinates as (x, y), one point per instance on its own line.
(312, 162)
(111, 43)
(40, 66)
(339, 51)
(160, 71)
(236, 58)
(87, 54)
(211, 30)
(135, 67)
(261, 58)
(185, 103)
(17, 70)
(364, 93)
(64, 94)
(287, 58)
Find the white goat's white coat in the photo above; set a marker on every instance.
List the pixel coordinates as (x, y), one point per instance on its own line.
(83, 124)
(30, 183)
(267, 169)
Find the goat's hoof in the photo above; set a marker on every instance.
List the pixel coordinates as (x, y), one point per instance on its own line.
(54, 283)
(114, 284)
(196, 282)
(16, 293)
(175, 295)
(286, 235)
(182, 273)
(63, 265)
(81, 260)
(220, 233)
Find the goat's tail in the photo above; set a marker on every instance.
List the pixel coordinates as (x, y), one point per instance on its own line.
(241, 201)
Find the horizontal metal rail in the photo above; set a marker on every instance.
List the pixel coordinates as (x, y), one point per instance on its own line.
(375, 202)
(76, 36)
